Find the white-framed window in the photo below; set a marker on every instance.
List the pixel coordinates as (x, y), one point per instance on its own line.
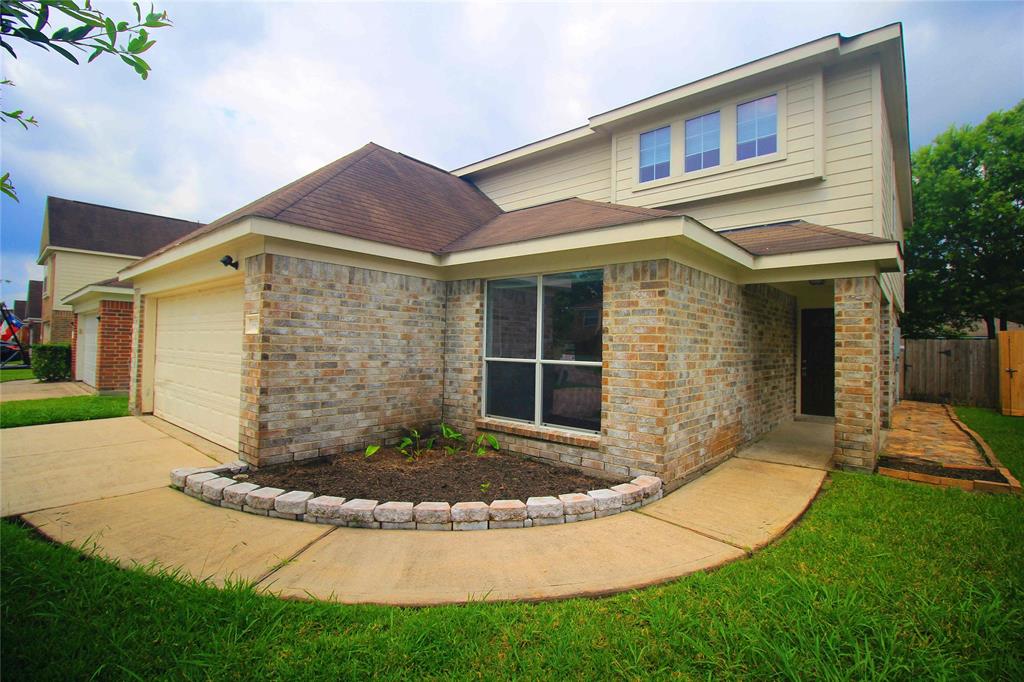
(542, 349)
(757, 128)
(655, 154)
(703, 142)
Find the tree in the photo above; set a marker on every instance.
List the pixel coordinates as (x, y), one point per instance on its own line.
(72, 27)
(965, 251)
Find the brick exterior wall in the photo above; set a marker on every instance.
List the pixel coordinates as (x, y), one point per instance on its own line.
(113, 364)
(693, 367)
(887, 366)
(345, 356)
(858, 351)
(74, 348)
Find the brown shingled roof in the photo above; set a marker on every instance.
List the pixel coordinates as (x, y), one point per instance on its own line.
(35, 299)
(560, 217)
(91, 227)
(796, 236)
(375, 194)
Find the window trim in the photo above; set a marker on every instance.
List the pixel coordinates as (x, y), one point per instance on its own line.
(538, 361)
(727, 141)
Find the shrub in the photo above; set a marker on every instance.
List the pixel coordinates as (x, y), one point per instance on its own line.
(51, 361)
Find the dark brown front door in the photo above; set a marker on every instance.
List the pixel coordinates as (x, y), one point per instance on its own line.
(817, 362)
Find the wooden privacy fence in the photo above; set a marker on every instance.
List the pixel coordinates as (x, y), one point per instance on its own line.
(958, 371)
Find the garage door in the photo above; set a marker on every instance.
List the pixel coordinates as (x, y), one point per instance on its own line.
(85, 348)
(198, 375)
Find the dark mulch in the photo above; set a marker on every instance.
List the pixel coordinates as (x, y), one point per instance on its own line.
(434, 476)
(919, 467)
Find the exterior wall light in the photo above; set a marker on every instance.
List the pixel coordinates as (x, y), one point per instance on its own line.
(229, 262)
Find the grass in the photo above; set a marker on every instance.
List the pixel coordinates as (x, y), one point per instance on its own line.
(53, 410)
(16, 375)
(1004, 434)
(881, 579)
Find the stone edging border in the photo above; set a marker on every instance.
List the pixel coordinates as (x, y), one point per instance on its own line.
(215, 486)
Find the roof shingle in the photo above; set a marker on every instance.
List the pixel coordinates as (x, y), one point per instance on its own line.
(91, 227)
(796, 236)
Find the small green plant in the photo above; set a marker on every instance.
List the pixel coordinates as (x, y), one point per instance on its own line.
(51, 361)
(414, 444)
(371, 450)
(484, 487)
(485, 441)
(452, 439)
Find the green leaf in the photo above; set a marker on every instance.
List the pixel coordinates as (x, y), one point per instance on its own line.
(372, 450)
(97, 53)
(60, 50)
(78, 33)
(122, 26)
(108, 23)
(492, 440)
(32, 35)
(405, 442)
(44, 16)
(138, 11)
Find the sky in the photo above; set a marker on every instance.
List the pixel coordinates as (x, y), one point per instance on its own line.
(245, 97)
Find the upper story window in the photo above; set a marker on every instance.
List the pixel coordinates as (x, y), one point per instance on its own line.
(757, 128)
(655, 154)
(543, 349)
(703, 141)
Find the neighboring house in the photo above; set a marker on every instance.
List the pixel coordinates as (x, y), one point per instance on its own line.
(83, 244)
(34, 312)
(643, 294)
(979, 330)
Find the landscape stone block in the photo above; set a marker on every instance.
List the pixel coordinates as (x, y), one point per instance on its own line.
(631, 494)
(544, 507)
(179, 476)
(469, 525)
(324, 507)
(293, 502)
(650, 485)
(471, 512)
(508, 524)
(406, 525)
(394, 513)
(572, 518)
(549, 521)
(213, 490)
(194, 483)
(433, 526)
(236, 494)
(357, 511)
(262, 498)
(433, 513)
(507, 510)
(577, 503)
(605, 500)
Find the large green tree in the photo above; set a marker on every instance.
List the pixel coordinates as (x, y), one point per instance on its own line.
(67, 27)
(965, 251)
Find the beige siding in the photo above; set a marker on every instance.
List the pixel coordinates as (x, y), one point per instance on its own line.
(72, 271)
(844, 199)
(581, 170)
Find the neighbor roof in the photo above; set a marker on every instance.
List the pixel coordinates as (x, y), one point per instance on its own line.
(91, 227)
(796, 236)
(19, 309)
(375, 194)
(35, 299)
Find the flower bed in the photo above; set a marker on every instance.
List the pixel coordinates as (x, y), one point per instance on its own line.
(226, 486)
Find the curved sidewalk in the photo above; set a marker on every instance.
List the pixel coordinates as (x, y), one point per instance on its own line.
(740, 506)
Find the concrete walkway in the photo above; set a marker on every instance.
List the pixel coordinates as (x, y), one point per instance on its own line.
(30, 389)
(741, 505)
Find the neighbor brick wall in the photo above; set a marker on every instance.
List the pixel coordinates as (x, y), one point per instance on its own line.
(61, 325)
(113, 364)
(74, 348)
(858, 350)
(344, 357)
(135, 365)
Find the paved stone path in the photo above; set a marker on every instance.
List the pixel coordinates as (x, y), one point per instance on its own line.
(924, 432)
(111, 491)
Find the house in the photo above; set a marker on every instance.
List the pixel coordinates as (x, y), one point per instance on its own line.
(642, 294)
(33, 313)
(83, 247)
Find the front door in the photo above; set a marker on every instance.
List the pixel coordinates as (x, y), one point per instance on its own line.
(817, 362)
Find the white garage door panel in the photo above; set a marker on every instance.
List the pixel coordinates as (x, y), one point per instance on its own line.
(198, 377)
(85, 348)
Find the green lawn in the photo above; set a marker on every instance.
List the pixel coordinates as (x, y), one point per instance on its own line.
(1004, 434)
(53, 410)
(16, 375)
(881, 579)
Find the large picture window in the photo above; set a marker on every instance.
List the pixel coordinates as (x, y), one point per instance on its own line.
(543, 349)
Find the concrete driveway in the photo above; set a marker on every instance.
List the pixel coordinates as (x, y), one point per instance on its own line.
(30, 389)
(105, 483)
